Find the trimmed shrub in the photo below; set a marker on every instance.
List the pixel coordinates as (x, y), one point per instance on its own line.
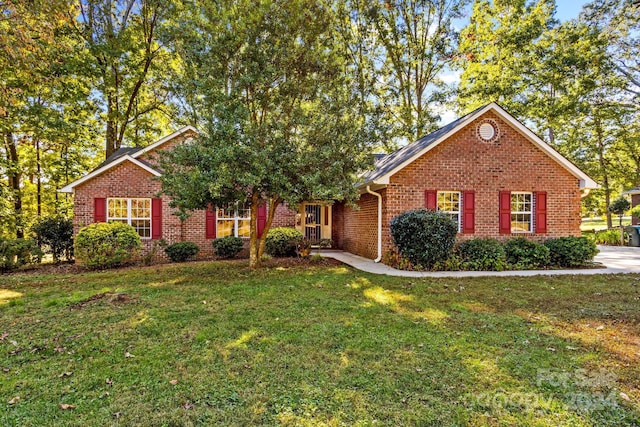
(424, 237)
(227, 247)
(181, 251)
(482, 255)
(283, 242)
(571, 251)
(15, 253)
(524, 254)
(103, 245)
(54, 235)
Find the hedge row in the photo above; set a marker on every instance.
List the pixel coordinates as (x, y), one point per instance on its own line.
(426, 240)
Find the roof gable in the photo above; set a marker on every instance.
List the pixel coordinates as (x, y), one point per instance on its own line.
(130, 154)
(398, 160)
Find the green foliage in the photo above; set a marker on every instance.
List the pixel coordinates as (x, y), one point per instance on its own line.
(424, 237)
(15, 253)
(635, 212)
(325, 243)
(525, 254)
(228, 247)
(571, 251)
(609, 237)
(283, 242)
(482, 255)
(619, 206)
(181, 251)
(103, 245)
(54, 235)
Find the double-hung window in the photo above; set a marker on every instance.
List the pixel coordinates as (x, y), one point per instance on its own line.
(135, 212)
(521, 212)
(449, 202)
(234, 219)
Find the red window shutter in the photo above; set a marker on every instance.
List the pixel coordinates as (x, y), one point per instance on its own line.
(431, 199)
(99, 209)
(210, 223)
(262, 218)
(541, 211)
(156, 219)
(468, 211)
(505, 212)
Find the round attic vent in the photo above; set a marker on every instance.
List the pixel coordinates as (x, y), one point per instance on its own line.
(486, 131)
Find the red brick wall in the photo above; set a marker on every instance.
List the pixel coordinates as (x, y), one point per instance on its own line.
(130, 181)
(337, 225)
(360, 231)
(463, 162)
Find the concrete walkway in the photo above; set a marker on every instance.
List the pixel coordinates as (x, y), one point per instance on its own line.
(615, 259)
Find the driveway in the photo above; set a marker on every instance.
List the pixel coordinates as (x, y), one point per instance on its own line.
(622, 258)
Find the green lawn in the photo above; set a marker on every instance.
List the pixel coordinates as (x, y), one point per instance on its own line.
(601, 224)
(297, 344)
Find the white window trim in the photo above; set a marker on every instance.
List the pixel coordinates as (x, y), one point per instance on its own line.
(235, 218)
(129, 217)
(522, 213)
(458, 212)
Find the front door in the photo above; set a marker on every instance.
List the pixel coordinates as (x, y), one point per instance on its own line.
(313, 222)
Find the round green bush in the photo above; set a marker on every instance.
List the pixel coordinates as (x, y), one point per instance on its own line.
(423, 236)
(283, 242)
(15, 253)
(54, 235)
(523, 253)
(482, 255)
(102, 244)
(228, 247)
(181, 251)
(571, 251)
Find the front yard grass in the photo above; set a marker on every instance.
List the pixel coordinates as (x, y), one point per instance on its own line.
(296, 344)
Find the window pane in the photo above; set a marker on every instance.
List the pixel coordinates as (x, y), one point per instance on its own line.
(243, 228)
(140, 208)
(117, 208)
(520, 222)
(142, 226)
(226, 211)
(244, 211)
(225, 228)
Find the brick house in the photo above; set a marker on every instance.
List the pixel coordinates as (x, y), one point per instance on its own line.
(494, 176)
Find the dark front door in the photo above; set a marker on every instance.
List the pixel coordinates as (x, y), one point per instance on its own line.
(312, 222)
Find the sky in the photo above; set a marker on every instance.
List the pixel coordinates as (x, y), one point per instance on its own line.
(565, 10)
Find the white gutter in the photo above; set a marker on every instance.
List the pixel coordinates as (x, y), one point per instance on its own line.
(379, 196)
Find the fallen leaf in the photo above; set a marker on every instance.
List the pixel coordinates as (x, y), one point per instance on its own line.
(204, 302)
(551, 349)
(571, 348)
(3, 336)
(14, 400)
(173, 382)
(5, 370)
(418, 370)
(13, 342)
(65, 374)
(127, 354)
(188, 405)
(117, 415)
(624, 396)
(65, 406)
(599, 328)
(109, 381)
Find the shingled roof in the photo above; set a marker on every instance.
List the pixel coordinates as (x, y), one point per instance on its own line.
(389, 162)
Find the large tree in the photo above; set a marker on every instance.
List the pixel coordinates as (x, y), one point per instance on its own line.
(414, 43)
(280, 111)
(127, 65)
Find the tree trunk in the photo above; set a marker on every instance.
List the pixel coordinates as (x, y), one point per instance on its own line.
(38, 179)
(14, 175)
(603, 170)
(254, 256)
(112, 131)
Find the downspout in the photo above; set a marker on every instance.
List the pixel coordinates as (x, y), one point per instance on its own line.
(379, 196)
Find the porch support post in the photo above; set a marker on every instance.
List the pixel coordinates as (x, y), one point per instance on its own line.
(379, 196)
